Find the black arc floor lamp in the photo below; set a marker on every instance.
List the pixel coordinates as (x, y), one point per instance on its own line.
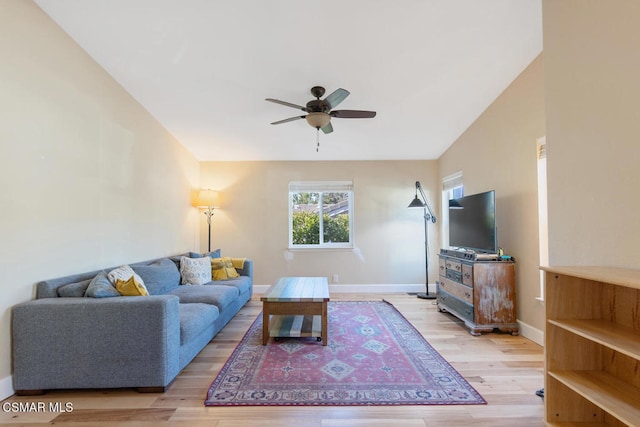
(428, 216)
(209, 200)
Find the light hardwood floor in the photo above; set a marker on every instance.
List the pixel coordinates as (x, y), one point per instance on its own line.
(505, 369)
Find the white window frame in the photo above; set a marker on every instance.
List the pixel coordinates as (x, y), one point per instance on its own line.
(449, 184)
(322, 187)
(543, 225)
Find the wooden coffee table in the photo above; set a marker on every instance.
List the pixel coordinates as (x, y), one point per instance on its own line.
(296, 307)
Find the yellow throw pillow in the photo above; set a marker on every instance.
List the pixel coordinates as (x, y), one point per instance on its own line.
(131, 288)
(126, 279)
(222, 269)
(238, 263)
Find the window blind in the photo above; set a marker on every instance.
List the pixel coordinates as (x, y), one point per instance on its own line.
(542, 150)
(317, 186)
(452, 181)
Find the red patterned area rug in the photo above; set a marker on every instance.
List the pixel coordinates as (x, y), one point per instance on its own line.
(374, 357)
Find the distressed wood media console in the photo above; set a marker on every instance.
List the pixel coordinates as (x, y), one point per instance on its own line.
(480, 293)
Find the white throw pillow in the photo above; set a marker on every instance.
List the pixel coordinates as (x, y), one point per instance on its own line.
(195, 271)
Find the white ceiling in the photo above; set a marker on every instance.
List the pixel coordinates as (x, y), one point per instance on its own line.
(204, 67)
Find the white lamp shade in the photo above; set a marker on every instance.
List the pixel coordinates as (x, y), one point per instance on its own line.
(208, 198)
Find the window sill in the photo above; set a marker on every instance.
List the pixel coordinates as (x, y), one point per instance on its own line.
(321, 249)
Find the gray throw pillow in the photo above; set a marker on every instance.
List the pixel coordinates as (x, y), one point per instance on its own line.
(77, 289)
(101, 287)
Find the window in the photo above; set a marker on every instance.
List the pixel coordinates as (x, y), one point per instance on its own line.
(543, 229)
(307, 227)
(452, 188)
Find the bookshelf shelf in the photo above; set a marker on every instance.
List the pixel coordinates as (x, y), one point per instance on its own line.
(592, 346)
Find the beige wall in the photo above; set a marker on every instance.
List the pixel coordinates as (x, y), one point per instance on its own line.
(593, 131)
(253, 220)
(498, 152)
(88, 178)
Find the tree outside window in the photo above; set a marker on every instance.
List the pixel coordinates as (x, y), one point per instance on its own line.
(310, 229)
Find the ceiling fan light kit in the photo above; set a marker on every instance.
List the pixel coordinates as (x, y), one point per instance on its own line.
(319, 111)
(318, 120)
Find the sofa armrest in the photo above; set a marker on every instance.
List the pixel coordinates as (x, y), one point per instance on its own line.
(247, 269)
(62, 343)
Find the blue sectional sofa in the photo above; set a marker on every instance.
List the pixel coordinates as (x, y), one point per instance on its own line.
(78, 342)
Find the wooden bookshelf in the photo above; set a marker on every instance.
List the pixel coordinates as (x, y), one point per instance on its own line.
(592, 346)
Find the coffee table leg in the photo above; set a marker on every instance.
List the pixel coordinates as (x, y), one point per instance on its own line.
(265, 323)
(325, 324)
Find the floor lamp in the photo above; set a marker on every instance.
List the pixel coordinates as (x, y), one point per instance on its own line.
(208, 199)
(428, 215)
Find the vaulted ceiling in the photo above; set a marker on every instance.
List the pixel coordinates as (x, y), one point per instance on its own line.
(203, 68)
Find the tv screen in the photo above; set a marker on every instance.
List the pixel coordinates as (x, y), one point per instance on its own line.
(472, 222)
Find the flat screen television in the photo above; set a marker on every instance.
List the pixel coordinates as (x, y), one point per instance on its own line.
(472, 222)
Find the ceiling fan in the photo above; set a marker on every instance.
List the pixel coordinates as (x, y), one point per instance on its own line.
(319, 111)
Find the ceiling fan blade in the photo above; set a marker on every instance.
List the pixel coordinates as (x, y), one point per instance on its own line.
(328, 128)
(336, 97)
(290, 119)
(352, 114)
(287, 104)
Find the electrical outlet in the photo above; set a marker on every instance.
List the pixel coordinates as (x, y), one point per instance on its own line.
(335, 278)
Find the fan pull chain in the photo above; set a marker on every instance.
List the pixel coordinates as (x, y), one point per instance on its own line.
(317, 139)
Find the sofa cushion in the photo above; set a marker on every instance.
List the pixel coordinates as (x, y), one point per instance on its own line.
(220, 296)
(212, 254)
(195, 271)
(242, 283)
(159, 277)
(176, 259)
(101, 287)
(194, 319)
(74, 289)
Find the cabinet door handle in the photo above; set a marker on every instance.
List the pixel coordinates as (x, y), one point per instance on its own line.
(467, 294)
(467, 276)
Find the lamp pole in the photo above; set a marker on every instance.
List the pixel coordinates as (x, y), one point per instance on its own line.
(209, 200)
(209, 214)
(428, 216)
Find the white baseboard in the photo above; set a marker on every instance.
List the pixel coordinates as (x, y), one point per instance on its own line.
(363, 289)
(6, 387)
(529, 332)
